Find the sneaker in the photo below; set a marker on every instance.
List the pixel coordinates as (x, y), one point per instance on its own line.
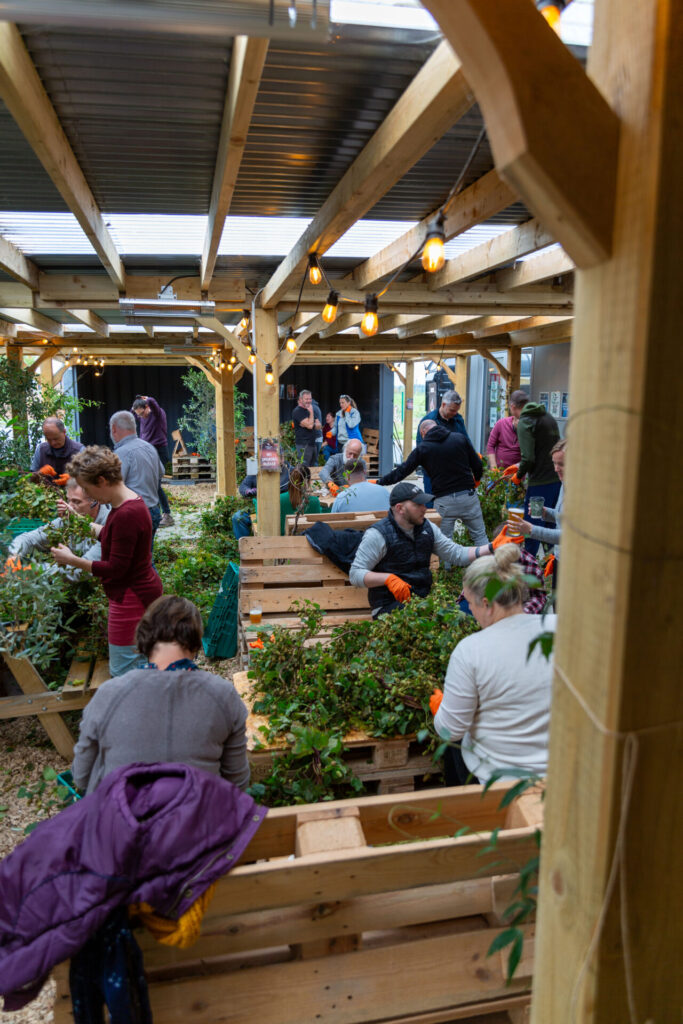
(166, 520)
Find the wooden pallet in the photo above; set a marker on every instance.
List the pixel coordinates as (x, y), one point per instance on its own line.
(371, 439)
(355, 911)
(345, 520)
(392, 763)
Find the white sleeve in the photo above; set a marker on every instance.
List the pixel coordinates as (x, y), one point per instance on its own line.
(460, 697)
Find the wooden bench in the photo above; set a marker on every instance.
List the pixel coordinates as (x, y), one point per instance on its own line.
(356, 911)
(345, 520)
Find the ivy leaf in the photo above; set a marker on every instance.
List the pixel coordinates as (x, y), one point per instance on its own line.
(493, 589)
(49, 774)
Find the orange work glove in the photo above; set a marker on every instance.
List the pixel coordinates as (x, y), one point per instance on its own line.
(373, 481)
(257, 645)
(399, 588)
(435, 701)
(504, 538)
(333, 489)
(549, 566)
(511, 474)
(47, 471)
(476, 483)
(61, 480)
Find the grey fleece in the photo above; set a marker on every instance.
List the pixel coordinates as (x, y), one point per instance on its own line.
(147, 715)
(373, 548)
(546, 534)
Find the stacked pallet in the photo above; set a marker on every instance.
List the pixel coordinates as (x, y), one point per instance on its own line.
(371, 438)
(193, 467)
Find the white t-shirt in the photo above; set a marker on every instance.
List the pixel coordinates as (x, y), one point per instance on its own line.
(496, 700)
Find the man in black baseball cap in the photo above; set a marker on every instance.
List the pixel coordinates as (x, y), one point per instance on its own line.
(393, 557)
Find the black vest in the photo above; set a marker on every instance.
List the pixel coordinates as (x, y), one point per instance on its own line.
(407, 557)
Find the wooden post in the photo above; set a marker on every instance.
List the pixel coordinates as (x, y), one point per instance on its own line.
(610, 872)
(408, 411)
(267, 418)
(515, 366)
(462, 366)
(226, 474)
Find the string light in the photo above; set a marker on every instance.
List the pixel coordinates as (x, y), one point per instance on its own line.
(252, 358)
(244, 322)
(356, 367)
(270, 376)
(229, 367)
(222, 365)
(433, 254)
(330, 310)
(370, 321)
(233, 358)
(315, 274)
(552, 11)
(290, 344)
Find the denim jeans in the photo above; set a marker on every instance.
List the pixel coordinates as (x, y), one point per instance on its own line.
(162, 451)
(550, 493)
(156, 519)
(241, 524)
(463, 505)
(123, 659)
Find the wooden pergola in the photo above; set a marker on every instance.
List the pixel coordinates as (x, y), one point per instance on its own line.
(597, 157)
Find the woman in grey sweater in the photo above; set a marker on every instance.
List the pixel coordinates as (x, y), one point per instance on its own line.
(548, 534)
(168, 711)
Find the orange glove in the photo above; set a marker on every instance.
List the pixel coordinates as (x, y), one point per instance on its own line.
(511, 474)
(333, 489)
(435, 701)
(504, 538)
(61, 480)
(399, 588)
(476, 483)
(257, 645)
(372, 481)
(47, 471)
(549, 566)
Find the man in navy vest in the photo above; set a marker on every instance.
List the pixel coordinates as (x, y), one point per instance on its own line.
(393, 557)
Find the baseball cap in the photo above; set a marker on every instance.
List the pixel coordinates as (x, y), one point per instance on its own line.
(409, 492)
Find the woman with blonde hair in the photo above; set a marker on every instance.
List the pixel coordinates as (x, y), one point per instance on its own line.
(129, 579)
(347, 421)
(496, 697)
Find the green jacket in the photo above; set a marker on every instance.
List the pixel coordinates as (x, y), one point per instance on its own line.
(537, 432)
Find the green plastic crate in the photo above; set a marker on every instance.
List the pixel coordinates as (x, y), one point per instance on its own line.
(220, 638)
(17, 526)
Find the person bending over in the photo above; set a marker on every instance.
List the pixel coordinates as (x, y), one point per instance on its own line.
(170, 710)
(496, 696)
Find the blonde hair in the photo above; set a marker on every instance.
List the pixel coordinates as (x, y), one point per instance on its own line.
(94, 462)
(498, 566)
(559, 447)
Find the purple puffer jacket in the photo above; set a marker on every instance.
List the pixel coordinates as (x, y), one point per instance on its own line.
(159, 833)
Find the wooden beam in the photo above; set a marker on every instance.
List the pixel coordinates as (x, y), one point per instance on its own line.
(426, 324)
(34, 319)
(240, 350)
(14, 263)
(488, 256)
(267, 419)
(546, 265)
(515, 363)
(503, 325)
(28, 103)
(91, 320)
(7, 329)
(95, 291)
(610, 865)
(246, 66)
(481, 201)
(434, 101)
(548, 335)
(199, 363)
(408, 414)
(501, 367)
(343, 321)
(553, 135)
(226, 471)
(57, 377)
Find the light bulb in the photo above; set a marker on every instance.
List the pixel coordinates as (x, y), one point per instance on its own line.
(356, 367)
(330, 310)
(270, 377)
(75, 348)
(222, 365)
(252, 358)
(433, 254)
(290, 344)
(370, 322)
(315, 274)
(551, 13)
(244, 322)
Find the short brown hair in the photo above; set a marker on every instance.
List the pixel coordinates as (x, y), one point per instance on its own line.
(519, 397)
(170, 620)
(94, 462)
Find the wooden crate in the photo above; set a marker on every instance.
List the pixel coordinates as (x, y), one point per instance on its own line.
(392, 763)
(355, 911)
(193, 467)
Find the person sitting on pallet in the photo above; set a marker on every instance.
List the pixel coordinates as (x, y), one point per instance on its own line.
(199, 718)
(393, 558)
(78, 503)
(241, 521)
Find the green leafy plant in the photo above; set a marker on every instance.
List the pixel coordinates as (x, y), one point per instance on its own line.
(199, 416)
(45, 795)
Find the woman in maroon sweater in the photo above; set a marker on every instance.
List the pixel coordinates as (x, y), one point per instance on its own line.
(129, 579)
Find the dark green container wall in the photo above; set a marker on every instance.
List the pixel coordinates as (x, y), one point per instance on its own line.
(327, 383)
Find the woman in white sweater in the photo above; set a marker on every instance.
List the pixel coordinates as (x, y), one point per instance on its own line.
(496, 696)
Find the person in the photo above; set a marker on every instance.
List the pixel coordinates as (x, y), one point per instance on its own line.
(169, 710)
(448, 416)
(549, 534)
(330, 445)
(502, 448)
(361, 495)
(141, 466)
(537, 597)
(154, 430)
(125, 569)
(77, 503)
(393, 557)
(306, 427)
(241, 520)
(538, 432)
(333, 470)
(453, 466)
(496, 695)
(57, 448)
(347, 421)
(294, 499)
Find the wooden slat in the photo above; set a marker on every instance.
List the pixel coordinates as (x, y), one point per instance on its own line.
(276, 599)
(78, 674)
(249, 575)
(539, 268)
(31, 683)
(100, 674)
(52, 702)
(14, 263)
(276, 547)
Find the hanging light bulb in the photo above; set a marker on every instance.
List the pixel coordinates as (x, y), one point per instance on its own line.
(229, 367)
(222, 365)
(244, 322)
(552, 11)
(330, 310)
(433, 255)
(101, 362)
(370, 322)
(75, 348)
(233, 358)
(290, 344)
(270, 376)
(252, 358)
(315, 274)
(356, 367)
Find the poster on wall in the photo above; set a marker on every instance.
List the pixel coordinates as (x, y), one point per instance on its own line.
(543, 399)
(565, 405)
(291, 391)
(555, 403)
(493, 415)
